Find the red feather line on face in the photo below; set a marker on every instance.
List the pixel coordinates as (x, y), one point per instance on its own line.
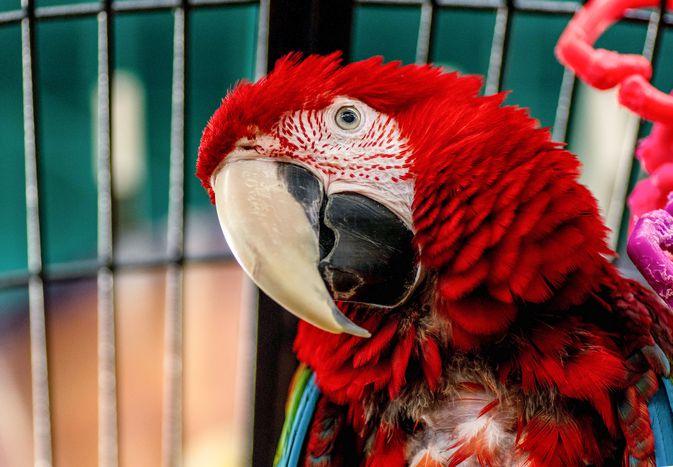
(311, 84)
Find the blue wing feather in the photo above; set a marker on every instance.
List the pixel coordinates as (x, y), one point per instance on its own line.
(660, 408)
(299, 427)
(661, 416)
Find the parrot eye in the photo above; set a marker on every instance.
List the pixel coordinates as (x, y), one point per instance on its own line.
(348, 118)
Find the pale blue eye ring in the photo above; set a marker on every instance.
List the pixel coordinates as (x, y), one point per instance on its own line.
(348, 118)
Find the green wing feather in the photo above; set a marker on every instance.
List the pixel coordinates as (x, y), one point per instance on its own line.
(297, 387)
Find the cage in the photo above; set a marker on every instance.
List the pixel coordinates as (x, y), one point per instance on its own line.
(128, 334)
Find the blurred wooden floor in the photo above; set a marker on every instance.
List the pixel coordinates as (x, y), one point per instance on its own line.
(216, 384)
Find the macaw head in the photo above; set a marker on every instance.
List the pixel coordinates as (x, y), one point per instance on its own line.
(356, 183)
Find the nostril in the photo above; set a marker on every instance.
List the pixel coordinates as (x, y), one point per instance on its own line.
(246, 144)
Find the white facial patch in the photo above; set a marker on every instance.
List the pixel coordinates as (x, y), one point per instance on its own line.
(370, 157)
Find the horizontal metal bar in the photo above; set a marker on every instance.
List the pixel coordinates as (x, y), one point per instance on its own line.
(9, 17)
(471, 4)
(88, 269)
(476, 4)
(390, 2)
(15, 280)
(64, 11)
(135, 6)
(546, 6)
(527, 6)
(128, 6)
(206, 3)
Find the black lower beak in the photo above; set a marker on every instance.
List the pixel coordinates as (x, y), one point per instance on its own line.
(366, 252)
(372, 259)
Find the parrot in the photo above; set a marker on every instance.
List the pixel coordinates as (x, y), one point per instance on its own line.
(458, 300)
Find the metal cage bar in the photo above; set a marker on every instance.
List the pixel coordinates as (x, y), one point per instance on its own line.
(499, 46)
(108, 442)
(172, 436)
(74, 270)
(425, 32)
(92, 9)
(262, 52)
(563, 106)
(497, 56)
(547, 7)
(42, 440)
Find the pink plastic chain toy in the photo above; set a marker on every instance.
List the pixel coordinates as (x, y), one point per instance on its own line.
(650, 245)
(605, 69)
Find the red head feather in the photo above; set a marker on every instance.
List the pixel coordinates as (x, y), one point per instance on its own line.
(312, 83)
(503, 231)
(497, 211)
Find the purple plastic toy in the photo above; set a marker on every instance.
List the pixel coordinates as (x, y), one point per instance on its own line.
(650, 247)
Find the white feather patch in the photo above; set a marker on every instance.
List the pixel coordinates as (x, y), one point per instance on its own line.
(372, 160)
(474, 421)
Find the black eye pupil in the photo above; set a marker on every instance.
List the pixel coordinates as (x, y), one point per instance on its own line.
(348, 116)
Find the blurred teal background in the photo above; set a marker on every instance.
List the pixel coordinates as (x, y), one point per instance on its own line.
(221, 47)
(221, 51)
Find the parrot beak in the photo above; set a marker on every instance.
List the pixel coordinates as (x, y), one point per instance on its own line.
(270, 215)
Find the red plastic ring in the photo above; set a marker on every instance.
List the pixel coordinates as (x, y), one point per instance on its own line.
(605, 69)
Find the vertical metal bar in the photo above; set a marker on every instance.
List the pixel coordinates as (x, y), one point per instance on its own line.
(108, 443)
(247, 341)
(565, 98)
(172, 424)
(308, 26)
(425, 30)
(244, 389)
(617, 216)
(499, 47)
(42, 442)
(261, 55)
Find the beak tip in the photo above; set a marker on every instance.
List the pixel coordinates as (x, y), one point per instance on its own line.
(357, 331)
(349, 327)
(363, 333)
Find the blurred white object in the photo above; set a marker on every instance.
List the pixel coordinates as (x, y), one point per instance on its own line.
(128, 133)
(603, 137)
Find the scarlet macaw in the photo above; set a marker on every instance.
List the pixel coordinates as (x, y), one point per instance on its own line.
(459, 304)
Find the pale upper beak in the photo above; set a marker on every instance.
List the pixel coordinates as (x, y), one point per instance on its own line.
(269, 213)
